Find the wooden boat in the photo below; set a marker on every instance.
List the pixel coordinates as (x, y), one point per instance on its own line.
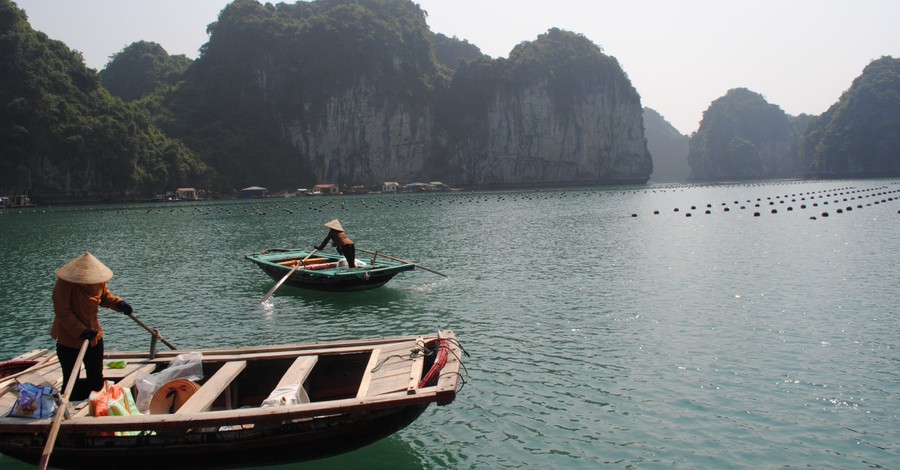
(353, 393)
(324, 271)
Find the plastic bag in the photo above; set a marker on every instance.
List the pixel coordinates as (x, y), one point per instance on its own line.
(113, 400)
(283, 396)
(34, 401)
(185, 366)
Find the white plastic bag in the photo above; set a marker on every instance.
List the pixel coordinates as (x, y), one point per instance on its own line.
(283, 396)
(185, 366)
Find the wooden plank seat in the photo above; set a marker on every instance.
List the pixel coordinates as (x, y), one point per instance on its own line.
(212, 388)
(297, 373)
(367, 375)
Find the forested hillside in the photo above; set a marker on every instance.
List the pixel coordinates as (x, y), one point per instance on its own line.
(63, 136)
(742, 136)
(859, 136)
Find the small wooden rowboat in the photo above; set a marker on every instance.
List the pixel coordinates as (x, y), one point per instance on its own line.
(324, 272)
(353, 393)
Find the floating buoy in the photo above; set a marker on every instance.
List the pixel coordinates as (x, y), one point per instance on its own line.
(756, 214)
(824, 214)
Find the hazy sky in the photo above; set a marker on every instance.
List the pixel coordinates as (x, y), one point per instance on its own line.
(680, 55)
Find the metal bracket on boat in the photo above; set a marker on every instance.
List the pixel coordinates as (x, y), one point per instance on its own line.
(154, 337)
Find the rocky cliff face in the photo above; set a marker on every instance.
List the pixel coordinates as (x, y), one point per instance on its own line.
(360, 140)
(559, 112)
(360, 111)
(598, 140)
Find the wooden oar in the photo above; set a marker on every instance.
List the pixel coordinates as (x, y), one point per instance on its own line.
(61, 411)
(10, 379)
(152, 332)
(403, 261)
(285, 278)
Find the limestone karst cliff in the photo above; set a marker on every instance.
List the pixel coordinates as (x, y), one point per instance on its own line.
(742, 136)
(353, 112)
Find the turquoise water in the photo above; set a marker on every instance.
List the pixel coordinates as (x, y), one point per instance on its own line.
(600, 333)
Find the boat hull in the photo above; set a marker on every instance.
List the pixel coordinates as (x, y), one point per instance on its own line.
(276, 263)
(264, 445)
(340, 396)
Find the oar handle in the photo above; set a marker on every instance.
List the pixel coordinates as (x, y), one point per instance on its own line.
(61, 411)
(154, 333)
(403, 261)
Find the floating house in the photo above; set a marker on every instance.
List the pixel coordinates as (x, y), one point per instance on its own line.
(327, 189)
(390, 186)
(187, 194)
(253, 192)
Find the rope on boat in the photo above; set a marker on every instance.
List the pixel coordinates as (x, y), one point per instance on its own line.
(439, 363)
(443, 351)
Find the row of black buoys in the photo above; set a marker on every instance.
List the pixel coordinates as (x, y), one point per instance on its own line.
(882, 191)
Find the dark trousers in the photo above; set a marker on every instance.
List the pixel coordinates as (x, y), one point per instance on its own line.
(93, 367)
(349, 252)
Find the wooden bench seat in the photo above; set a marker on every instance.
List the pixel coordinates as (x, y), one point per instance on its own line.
(297, 373)
(214, 386)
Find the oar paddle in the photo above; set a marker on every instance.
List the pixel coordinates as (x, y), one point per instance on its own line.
(61, 411)
(403, 261)
(11, 379)
(152, 332)
(285, 278)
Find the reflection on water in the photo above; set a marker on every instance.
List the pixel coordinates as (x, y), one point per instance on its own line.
(604, 325)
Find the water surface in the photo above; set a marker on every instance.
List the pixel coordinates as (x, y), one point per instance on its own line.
(600, 333)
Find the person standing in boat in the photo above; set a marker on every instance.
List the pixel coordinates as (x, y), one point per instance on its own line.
(341, 242)
(79, 293)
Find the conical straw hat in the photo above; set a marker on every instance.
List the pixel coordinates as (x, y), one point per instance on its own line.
(85, 269)
(335, 225)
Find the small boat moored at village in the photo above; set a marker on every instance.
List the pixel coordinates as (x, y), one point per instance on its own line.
(327, 272)
(252, 406)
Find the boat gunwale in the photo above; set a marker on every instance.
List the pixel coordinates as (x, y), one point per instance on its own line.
(274, 259)
(217, 418)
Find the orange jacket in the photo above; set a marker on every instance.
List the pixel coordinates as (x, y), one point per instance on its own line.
(75, 308)
(337, 238)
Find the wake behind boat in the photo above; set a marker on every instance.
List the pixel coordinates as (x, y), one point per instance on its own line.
(327, 272)
(349, 394)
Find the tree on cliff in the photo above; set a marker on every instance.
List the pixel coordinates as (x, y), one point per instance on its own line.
(449, 51)
(859, 136)
(140, 69)
(742, 136)
(63, 136)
